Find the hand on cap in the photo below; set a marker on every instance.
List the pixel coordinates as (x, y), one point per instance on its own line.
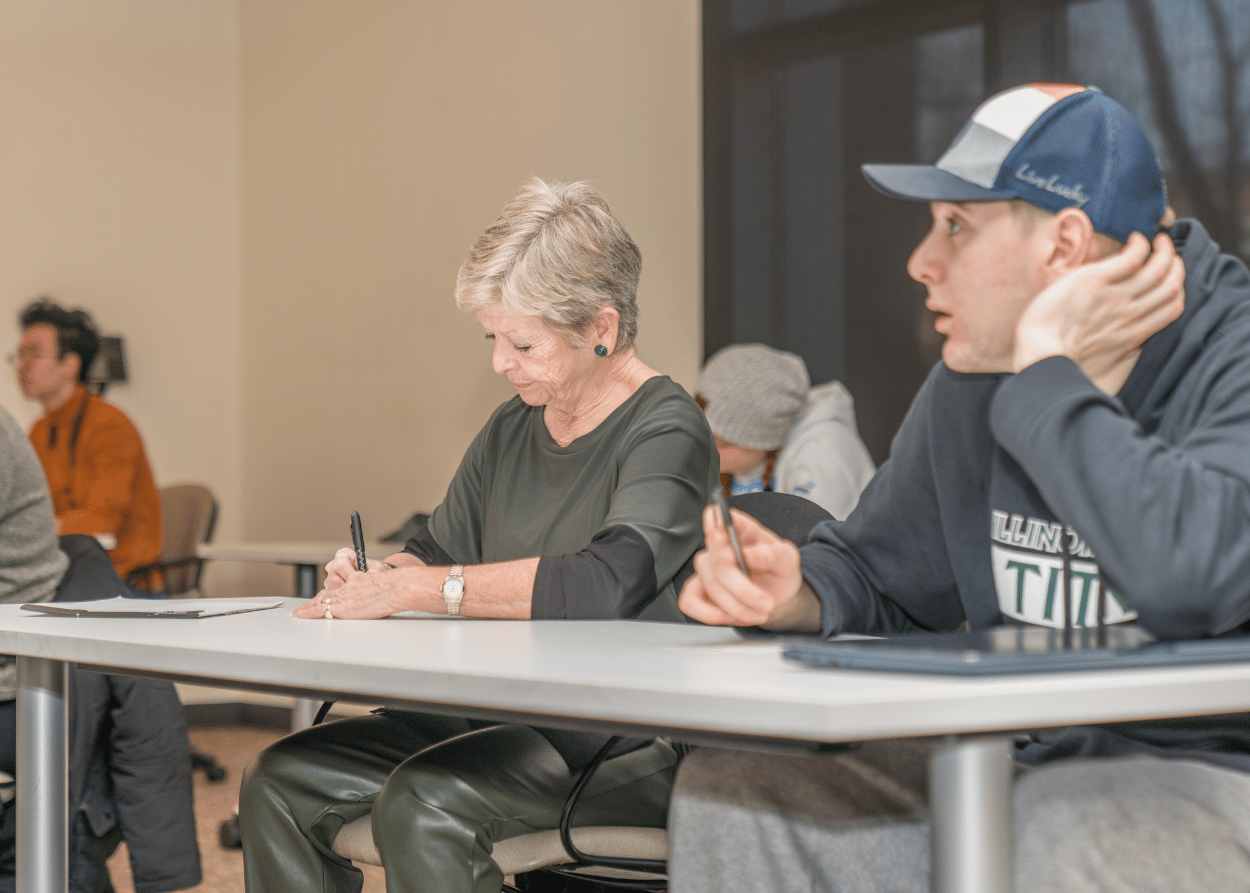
(1101, 314)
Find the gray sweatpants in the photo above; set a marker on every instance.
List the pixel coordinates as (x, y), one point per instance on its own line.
(856, 823)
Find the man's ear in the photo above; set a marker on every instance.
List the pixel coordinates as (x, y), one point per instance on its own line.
(73, 363)
(1072, 242)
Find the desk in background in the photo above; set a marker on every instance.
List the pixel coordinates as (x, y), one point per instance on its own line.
(700, 684)
(307, 557)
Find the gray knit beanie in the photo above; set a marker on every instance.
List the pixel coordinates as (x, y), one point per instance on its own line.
(754, 393)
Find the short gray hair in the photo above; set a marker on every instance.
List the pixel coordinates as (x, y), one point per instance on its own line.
(556, 252)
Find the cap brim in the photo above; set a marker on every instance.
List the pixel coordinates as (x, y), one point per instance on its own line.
(925, 183)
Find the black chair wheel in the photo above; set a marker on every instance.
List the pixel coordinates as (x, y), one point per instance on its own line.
(213, 770)
(228, 833)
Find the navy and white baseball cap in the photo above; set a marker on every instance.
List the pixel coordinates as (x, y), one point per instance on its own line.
(1053, 145)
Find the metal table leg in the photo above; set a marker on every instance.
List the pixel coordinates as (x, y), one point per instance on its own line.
(305, 580)
(970, 783)
(303, 710)
(42, 763)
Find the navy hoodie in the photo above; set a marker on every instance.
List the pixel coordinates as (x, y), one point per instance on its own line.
(995, 482)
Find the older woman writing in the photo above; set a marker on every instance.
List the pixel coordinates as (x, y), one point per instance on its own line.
(580, 498)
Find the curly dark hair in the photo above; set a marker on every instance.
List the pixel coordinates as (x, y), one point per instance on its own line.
(75, 331)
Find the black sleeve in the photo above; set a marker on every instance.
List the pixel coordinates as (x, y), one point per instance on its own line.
(427, 550)
(613, 577)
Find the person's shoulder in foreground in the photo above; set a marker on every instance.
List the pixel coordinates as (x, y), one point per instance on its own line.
(31, 564)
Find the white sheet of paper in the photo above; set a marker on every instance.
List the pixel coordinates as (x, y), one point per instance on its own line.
(155, 607)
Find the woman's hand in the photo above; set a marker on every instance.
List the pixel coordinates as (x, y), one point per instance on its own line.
(343, 565)
(773, 596)
(358, 596)
(1101, 314)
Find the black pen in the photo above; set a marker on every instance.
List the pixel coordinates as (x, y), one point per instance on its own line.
(358, 540)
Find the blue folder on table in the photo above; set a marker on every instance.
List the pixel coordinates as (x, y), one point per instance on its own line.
(1016, 649)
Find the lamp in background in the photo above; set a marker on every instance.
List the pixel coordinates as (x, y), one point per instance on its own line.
(108, 367)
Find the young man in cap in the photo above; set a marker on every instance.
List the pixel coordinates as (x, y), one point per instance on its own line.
(1087, 434)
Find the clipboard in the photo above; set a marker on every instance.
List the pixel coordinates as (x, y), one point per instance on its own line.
(149, 607)
(1016, 649)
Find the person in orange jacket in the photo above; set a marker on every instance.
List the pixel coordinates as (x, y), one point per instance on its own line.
(91, 453)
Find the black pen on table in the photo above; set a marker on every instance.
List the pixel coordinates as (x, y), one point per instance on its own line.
(358, 540)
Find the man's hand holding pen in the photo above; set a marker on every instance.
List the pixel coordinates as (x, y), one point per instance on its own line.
(773, 595)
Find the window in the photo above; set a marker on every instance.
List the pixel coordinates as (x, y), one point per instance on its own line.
(802, 254)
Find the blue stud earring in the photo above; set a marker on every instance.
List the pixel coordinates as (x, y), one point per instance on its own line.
(600, 350)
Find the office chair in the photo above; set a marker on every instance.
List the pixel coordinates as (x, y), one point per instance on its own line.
(188, 515)
(789, 516)
(600, 858)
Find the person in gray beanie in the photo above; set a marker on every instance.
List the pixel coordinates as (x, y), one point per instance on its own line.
(775, 432)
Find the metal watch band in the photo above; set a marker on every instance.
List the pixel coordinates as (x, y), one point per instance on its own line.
(453, 602)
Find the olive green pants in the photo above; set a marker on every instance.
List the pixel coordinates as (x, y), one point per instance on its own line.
(441, 794)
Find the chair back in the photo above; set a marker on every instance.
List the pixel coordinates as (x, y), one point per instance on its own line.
(788, 515)
(188, 514)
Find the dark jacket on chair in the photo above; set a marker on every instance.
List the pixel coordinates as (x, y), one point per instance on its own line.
(130, 763)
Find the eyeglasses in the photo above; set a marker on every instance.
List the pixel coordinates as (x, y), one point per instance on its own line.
(24, 355)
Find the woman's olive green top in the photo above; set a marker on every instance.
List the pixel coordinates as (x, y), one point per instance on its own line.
(612, 516)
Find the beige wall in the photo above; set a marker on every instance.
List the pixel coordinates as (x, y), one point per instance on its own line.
(379, 140)
(270, 200)
(119, 192)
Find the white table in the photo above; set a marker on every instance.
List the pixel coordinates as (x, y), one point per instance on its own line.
(704, 685)
(307, 557)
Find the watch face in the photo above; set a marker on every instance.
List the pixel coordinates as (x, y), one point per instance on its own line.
(453, 588)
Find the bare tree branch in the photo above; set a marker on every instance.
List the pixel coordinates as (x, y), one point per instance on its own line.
(1163, 98)
(1233, 140)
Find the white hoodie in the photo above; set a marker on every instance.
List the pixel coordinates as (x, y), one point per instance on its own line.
(823, 459)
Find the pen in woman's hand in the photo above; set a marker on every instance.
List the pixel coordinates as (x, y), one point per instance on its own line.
(358, 541)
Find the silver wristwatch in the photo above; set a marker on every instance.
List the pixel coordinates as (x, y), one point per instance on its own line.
(453, 589)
